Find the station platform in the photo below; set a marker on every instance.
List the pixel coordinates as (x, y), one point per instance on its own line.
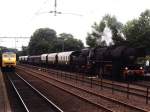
(4, 102)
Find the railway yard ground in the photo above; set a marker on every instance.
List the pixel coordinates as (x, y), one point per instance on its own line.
(4, 102)
(38, 89)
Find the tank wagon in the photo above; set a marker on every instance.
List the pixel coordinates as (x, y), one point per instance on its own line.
(34, 60)
(24, 59)
(52, 60)
(114, 61)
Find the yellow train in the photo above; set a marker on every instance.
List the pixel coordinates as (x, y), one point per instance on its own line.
(8, 60)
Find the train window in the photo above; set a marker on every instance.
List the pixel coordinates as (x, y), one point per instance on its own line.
(5, 55)
(12, 56)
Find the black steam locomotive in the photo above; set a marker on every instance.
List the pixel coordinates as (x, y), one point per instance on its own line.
(114, 61)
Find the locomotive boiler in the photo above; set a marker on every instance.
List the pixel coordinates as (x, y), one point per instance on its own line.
(116, 61)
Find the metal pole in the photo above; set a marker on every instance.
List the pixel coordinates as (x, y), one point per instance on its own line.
(112, 86)
(147, 97)
(57, 74)
(91, 81)
(82, 79)
(65, 75)
(76, 78)
(55, 8)
(101, 83)
(128, 90)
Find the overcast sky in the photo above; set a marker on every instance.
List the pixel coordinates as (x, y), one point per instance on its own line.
(22, 17)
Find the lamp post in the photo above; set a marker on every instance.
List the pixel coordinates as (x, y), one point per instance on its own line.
(16, 43)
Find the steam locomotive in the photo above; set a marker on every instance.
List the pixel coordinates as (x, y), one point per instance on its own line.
(113, 61)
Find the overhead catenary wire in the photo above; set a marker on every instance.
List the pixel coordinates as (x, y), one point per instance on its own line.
(38, 11)
(55, 11)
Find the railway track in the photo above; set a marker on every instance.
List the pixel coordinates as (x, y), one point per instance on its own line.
(143, 83)
(136, 89)
(107, 103)
(30, 98)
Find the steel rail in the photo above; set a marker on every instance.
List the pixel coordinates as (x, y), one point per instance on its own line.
(115, 85)
(143, 83)
(16, 90)
(134, 84)
(43, 96)
(96, 104)
(112, 99)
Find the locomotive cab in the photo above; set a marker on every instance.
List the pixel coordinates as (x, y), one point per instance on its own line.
(8, 60)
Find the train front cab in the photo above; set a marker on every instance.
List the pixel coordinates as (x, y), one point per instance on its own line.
(8, 62)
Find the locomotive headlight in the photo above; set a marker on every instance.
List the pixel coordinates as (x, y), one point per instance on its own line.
(141, 68)
(126, 68)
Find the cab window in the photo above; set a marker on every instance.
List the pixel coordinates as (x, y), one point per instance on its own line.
(12, 56)
(5, 55)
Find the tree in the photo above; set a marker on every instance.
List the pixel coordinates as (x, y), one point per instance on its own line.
(115, 27)
(137, 31)
(42, 41)
(24, 51)
(95, 38)
(66, 42)
(91, 40)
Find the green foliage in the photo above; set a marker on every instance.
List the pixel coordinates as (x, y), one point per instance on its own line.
(147, 58)
(91, 40)
(24, 50)
(5, 49)
(137, 31)
(95, 38)
(116, 28)
(1, 48)
(67, 42)
(42, 41)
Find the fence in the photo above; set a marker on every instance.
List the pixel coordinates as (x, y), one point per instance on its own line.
(100, 83)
